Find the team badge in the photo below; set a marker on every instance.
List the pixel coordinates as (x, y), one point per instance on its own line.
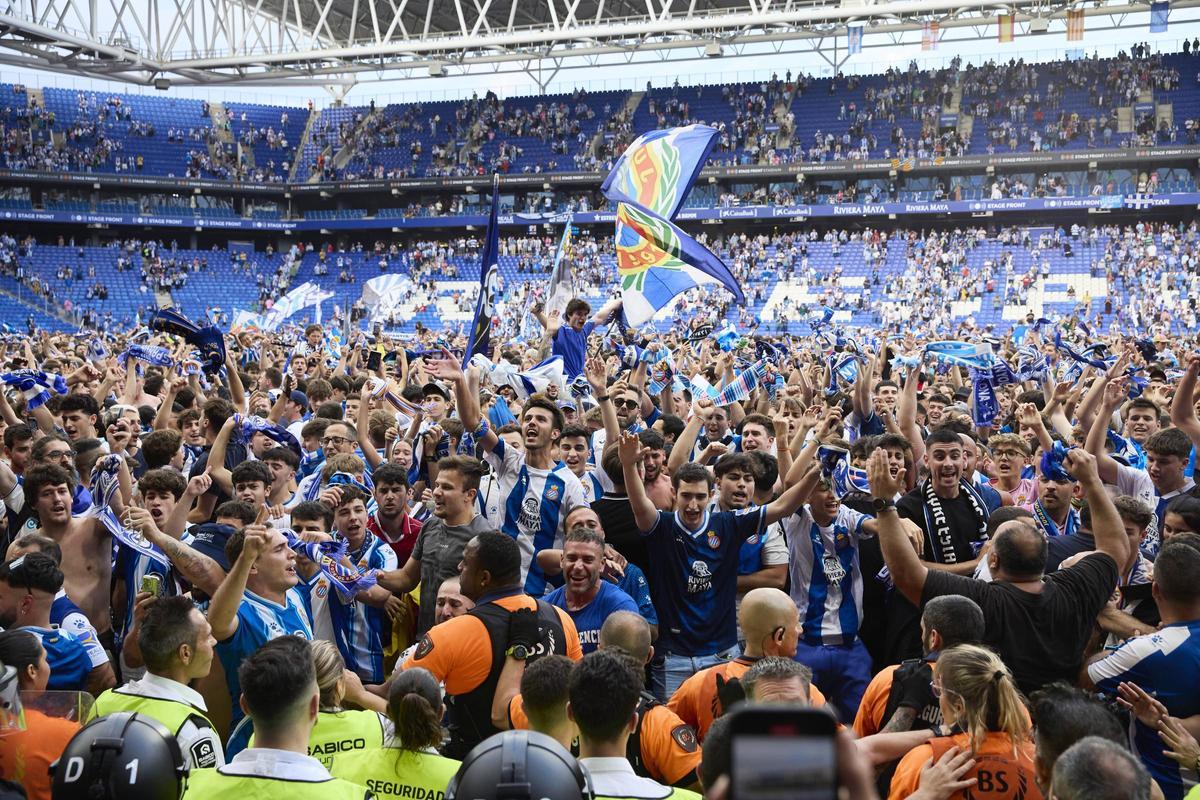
(685, 737)
(752, 540)
(424, 647)
(552, 492)
(714, 540)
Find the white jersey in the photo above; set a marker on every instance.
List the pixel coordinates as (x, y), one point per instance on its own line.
(533, 507)
(826, 575)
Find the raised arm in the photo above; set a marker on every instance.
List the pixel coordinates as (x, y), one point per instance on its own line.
(1106, 465)
(216, 456)
(906, 415)
(793, 497)
(222, 611)
(1106, 522)
(644, 512)
(196, 568)
(906, 569)
(681, 451)
(447, 369)
(597, 378)
(237, 393)
(362, 426)
(1183, 409)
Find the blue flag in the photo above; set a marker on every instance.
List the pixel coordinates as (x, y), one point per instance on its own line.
(489, 277)
(1158, 17)
(854, 39)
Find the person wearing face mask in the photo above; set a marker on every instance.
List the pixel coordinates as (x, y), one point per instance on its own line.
(176, 644)
(279, 692)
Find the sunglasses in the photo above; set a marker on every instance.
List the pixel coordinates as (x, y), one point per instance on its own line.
(627, 403)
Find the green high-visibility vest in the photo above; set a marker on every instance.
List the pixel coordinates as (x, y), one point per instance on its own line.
(393, 774)
(210, 784)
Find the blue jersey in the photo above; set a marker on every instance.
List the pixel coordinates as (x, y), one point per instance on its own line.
(572, 346)
(634, 584)
(68, 659)
(1165, 663)
(533, 505)
(132, 566)
(826, 576)
(69, 617)
(361, 630)
(590, 618)
(260, 621)
(693, 578)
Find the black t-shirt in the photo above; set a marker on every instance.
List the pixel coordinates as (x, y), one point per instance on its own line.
(963, 524)
(621, 530)
(900, 634)
(234, 455)
(1041, 637)
(1060, 548)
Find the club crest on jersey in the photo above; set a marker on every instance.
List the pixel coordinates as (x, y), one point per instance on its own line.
(714, 540)
(424, 647)
(750, 540)
(552, 492)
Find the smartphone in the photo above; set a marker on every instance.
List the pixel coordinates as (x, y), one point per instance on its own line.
(151, 584)
(782, 753)
(374, 360)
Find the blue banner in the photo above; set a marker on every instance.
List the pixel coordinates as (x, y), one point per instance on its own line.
(854, 35)
(1158, 17)
(489, 276)
(1135, 202)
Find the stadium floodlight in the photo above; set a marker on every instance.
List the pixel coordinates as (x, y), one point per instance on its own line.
(1039, 25)
(162, 84)
(437, 70)
(713, 50)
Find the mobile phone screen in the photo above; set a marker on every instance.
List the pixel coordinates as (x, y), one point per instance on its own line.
(767, 767)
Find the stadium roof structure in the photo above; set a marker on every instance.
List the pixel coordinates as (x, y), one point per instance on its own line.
(342, 42)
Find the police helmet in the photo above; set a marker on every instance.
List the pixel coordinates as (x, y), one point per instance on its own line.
(120, 756)
(520, 765)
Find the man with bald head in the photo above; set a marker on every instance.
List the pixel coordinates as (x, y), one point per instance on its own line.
(771, 624)
(1038, 624)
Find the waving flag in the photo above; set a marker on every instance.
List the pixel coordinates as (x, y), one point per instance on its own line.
(562, 277)
(489, 277)
(658, 169)
(657, 261)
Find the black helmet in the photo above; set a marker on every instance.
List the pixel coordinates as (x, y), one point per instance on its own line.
(519, 765)
(120, 756)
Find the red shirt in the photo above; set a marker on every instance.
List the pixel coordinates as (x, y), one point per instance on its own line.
(404, 543)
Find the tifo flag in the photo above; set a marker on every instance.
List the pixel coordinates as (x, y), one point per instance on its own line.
(1075, 25)
(385, 294)
(1005, 21)
(854, 39)
(1158, 17)
(658, 169)
(929, 36)
(561, 278)
(657, 261)
(489, 276)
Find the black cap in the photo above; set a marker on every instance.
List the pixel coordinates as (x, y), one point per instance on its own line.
(210, 539)
(434, 388)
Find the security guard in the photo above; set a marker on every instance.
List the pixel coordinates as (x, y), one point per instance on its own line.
(470, 670)
(661, 746)
(177, 645)
(409, 767)
(338, 730)
(279, 692)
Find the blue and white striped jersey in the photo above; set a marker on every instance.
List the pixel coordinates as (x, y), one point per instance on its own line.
(533, 508)
(361, 630)
(826, 576)
(1164, 663)
(259, 621)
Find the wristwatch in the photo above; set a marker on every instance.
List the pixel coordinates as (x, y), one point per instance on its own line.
(881, 504)
(518, 651)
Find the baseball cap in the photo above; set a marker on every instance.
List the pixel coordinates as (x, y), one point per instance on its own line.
(568, 403)
(299, 398)
(210, 538)
(434, 388)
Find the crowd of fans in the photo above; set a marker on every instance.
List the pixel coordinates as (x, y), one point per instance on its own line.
(967, 595)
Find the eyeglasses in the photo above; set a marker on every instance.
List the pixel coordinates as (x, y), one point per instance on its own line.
(60, 455)
(627, 403)
(334, 441)
(936, 688)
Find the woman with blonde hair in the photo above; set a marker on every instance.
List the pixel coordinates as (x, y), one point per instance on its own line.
(983, 709)
(415, 709)
(341, 730)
